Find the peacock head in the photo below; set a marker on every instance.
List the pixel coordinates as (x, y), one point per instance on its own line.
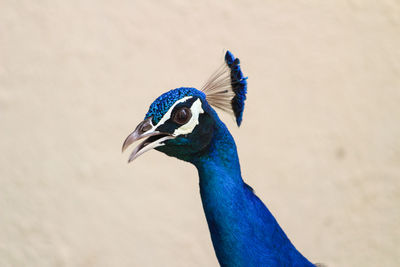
(181, 122)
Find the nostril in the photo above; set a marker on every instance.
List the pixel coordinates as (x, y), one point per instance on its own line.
(145, 127)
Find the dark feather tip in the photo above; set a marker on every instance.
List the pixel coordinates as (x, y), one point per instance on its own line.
(239, 86)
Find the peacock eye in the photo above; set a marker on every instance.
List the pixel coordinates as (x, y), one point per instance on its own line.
(182, 116)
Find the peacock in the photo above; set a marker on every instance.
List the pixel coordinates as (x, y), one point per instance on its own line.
(183, 123)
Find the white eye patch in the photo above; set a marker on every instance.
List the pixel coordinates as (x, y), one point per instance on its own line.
(188, 127)
(167, 115)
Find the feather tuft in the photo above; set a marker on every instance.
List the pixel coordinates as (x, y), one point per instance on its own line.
(226, 89)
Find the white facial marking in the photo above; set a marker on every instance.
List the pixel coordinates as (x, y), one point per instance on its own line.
(168, 114)
(189, 126)
(194, 120)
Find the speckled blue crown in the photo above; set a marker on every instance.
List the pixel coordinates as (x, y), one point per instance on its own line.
(165, 101)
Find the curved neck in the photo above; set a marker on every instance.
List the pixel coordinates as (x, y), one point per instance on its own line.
(222, 189)
(243, 231)
(219, 157)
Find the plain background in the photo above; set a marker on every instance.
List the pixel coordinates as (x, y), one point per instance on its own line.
(320, 139)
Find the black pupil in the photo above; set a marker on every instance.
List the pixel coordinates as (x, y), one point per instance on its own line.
(182, 116)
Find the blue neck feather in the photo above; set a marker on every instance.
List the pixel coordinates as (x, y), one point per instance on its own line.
(243, 231)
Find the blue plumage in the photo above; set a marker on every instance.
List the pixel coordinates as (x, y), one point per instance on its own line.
(239, 86)
(182, 123)
(164, 102)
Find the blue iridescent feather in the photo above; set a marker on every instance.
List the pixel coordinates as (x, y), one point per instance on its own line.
(163, 103)
(239, 86)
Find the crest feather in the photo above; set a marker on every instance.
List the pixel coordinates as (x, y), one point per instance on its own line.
(226, 89)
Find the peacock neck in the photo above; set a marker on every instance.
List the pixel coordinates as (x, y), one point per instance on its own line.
(223, 197)
(219, 158)
(243, 231)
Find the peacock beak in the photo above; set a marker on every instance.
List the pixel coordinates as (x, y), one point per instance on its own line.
(153, 140)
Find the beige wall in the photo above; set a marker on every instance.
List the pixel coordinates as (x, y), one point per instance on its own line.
(320, 140)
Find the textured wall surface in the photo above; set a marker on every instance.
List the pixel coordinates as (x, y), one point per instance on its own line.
(320, 139)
